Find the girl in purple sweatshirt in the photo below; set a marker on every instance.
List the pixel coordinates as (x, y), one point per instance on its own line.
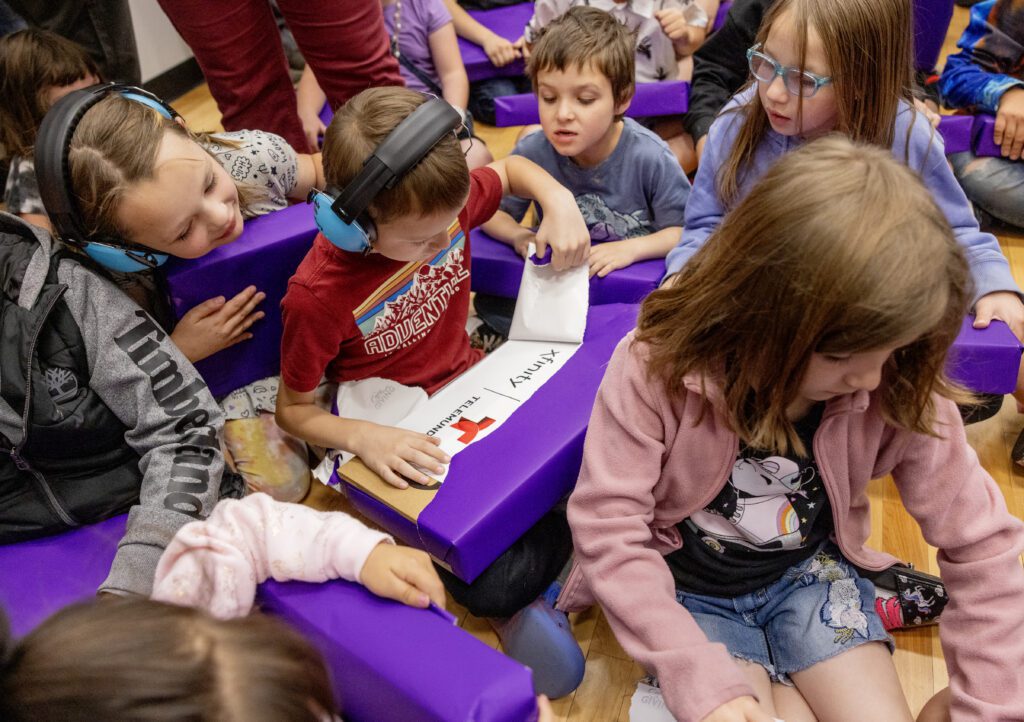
(722, 512)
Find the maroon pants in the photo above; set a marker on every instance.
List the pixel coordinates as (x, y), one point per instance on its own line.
(237, 45)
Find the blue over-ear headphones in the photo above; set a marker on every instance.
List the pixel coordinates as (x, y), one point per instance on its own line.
(341, 215)
(51, 165)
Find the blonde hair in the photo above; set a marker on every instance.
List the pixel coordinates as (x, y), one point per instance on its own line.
(438, 182)
(33, 62)
(838, 248)
(869, 48)
(142, 660)
(584, 35)
(115, 146)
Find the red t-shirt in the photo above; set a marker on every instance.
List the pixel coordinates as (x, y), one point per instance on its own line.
(349, 316)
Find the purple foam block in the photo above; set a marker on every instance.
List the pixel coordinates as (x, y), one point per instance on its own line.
(723, 11)
(40, 576)
(483, 507)
(393, 662)
(497, 269)
(508, 22)
(326, 114)
(985, 360)
(668, 97)
(956, 132)
(931, 20)
(265, 255)
(983, 133)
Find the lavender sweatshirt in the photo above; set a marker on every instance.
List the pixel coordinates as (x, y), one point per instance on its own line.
(704, 208)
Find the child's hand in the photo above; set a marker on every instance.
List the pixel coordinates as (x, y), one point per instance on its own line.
(500, 51)
(403, 574)
(390, 453)
(523, 47)
(684, 36)
(1003, 305)
(741, 709)
(1009, 128)
(544, 711)
(313, 128)
(564, 229)
(927, 111)
(522, 243)
(216, 323)
(609, 256)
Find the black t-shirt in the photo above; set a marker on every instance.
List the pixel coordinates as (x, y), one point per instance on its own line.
(772, 513)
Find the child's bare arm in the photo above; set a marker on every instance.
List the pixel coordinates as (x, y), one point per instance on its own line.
(504, 228)
(309, 99)
(387, 451)
(562, 227)
(612, 255)
(444, 49)
(499, 50)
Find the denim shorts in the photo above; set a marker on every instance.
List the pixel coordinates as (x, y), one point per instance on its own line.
(818, 608)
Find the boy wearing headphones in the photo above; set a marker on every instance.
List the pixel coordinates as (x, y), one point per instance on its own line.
(386, 294)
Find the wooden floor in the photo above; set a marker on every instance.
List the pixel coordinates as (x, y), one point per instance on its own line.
(611, 675)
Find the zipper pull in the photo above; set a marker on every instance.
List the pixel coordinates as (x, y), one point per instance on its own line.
(18, 461)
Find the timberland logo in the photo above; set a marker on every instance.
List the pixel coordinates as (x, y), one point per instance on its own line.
(62, 384)
(198, 446)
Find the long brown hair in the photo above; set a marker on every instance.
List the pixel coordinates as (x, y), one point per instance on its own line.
(838, 248)
(115, 146)
(146, 661)
(32, 62)
(869, 48)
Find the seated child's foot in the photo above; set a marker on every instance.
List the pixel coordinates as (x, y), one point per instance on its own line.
(541, 638)
(486, 338)
(1018, 450)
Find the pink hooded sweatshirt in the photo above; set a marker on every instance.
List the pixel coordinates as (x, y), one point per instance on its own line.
(648, 464)
(216, 564)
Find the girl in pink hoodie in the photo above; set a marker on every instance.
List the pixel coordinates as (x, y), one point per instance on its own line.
(722, 505)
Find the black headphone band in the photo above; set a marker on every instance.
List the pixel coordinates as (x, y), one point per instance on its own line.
(53, 145)
(404, 147)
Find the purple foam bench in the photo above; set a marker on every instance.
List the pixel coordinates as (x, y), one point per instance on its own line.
(667, 97)
(983, 142)
(508, 22)
(957, 132)
(484, 505)
(388, 661)
(985, 360)
(931, 21)
(497, 269)
(265, 255)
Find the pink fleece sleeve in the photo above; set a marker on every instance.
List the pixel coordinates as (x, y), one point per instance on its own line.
(216, 564)
(962, 511)
(610, 513)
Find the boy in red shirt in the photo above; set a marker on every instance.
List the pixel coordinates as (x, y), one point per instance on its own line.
(399, 311)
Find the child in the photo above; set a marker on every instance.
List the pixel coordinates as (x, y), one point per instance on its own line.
(399, 310)
(37, 68)
(628, 185)
(811, 64)
(987, 76)
(722, 503)
(147, 661)
(423, 39)
(666, 33)
(100, 412)
(126, 160)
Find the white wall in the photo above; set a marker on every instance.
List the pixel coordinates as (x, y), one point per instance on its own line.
(160, 46)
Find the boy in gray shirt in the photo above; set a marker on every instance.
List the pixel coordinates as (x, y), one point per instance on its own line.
(627, 182)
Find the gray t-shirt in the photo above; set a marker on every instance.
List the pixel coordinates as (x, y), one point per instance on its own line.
(638, 190)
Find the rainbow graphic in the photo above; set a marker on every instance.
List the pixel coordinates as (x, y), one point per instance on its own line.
(787, 521)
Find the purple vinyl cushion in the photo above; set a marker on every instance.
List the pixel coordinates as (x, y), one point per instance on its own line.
(985, 360)
(667, 97)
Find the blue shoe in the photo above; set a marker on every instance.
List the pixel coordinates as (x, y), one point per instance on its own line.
(541, 638)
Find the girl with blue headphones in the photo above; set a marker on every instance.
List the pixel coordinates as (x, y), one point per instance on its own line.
(126, 182)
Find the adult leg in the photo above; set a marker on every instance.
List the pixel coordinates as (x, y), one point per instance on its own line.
(238, 47)
(345, 43)
(859, 684)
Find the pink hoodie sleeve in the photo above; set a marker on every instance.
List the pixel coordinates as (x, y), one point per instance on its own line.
(216, 564)
(962, 512)
(610, 512)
